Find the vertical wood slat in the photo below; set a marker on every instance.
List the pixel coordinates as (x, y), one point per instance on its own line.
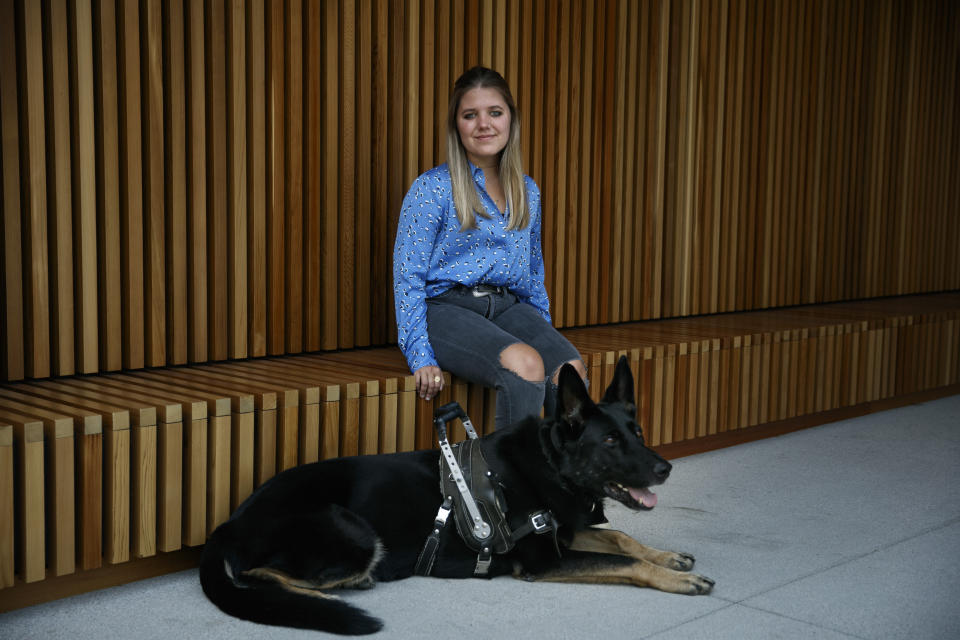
(59, 179)
(313, 177)
(554, 280)
(256, 180)
(83, 155)
(12, 345)
(584, 267)
(106, 71)
(383, 223)
(345, 209)
(330, 232)
(237, 207)
(154, 190)
(565, 315)
(639, 145)
(131, 182)
(363, 159)
(293, 166)
(218, 262)
(395, 147)
(624, 190)
(197, 271)
(275, 229)
(175, 195)
(31, 493)
(8, 514)
(33, 196)
(186, 182)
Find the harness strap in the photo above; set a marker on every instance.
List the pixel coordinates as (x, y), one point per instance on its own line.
(480, 535)
(539, 522)
(429, 553)
(484, 558)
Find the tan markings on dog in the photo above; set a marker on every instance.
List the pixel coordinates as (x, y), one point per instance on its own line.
(314, 589)
(365, 580)
(639, 573)
(296, 585)
(612, 541)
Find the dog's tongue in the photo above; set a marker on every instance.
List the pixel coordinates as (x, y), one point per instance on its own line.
(644, 496)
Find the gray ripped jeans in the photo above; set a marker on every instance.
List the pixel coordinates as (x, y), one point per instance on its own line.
(468, 334)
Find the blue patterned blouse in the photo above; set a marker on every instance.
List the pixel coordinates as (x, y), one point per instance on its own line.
(431, 255)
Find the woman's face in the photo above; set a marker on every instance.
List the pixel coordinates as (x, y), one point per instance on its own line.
(483, 121)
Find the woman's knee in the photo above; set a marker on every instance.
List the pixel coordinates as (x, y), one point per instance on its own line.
(523, 360)
(577, 364)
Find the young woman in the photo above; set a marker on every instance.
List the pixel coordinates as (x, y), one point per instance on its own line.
(468, 266)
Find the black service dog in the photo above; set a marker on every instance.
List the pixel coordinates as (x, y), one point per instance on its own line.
(348, 522)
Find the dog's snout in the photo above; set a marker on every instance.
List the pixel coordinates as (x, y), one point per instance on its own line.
(662, 469)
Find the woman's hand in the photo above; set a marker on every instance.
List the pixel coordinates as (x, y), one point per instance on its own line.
(429, 381)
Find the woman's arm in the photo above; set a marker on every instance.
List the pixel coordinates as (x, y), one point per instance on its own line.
(417, 228)
(538, 290)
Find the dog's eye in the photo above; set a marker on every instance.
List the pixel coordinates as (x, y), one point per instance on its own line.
(612, 438)
(640, 433)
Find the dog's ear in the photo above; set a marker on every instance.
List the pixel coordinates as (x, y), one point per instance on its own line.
(573, 401)
(621, 389)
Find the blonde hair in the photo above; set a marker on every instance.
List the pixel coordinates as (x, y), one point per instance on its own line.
(465, 196)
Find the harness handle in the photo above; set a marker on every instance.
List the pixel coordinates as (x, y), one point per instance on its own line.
(481, 528)
(448, 412)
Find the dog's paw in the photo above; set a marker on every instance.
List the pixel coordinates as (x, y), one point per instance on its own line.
(680, 562)
(698, 585)
(361, 583)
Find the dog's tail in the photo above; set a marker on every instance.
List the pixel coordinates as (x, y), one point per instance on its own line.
(268, 602)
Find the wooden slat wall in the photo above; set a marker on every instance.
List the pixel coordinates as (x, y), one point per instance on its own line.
(197, 181)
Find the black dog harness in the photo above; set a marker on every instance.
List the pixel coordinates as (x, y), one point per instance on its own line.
(471, 491)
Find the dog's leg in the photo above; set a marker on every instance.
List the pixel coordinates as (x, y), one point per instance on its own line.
(314, 587)
(604, 568)
(611, 541)
(328, 548)
(290, 583)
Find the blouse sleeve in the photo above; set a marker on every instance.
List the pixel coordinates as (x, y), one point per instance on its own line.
(538, 296)
(417, 230)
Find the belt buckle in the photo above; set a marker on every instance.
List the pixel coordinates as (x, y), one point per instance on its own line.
(482, 293)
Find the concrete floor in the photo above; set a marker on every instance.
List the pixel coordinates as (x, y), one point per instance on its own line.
(848, 530)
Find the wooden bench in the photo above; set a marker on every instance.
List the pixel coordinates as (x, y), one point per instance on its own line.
(107, 470)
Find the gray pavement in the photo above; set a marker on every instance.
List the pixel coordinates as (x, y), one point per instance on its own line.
(848, 530)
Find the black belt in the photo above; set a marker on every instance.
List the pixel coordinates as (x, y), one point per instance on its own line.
(482, 290)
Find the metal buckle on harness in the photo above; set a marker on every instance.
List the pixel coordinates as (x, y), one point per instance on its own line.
(425, 561)
(443, 513)
(484, 558)
(541, 522)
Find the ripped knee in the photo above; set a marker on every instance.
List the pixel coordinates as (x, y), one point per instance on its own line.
(523, 360)
(577, 364)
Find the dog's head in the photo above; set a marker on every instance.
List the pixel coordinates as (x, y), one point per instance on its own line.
(603, 452)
